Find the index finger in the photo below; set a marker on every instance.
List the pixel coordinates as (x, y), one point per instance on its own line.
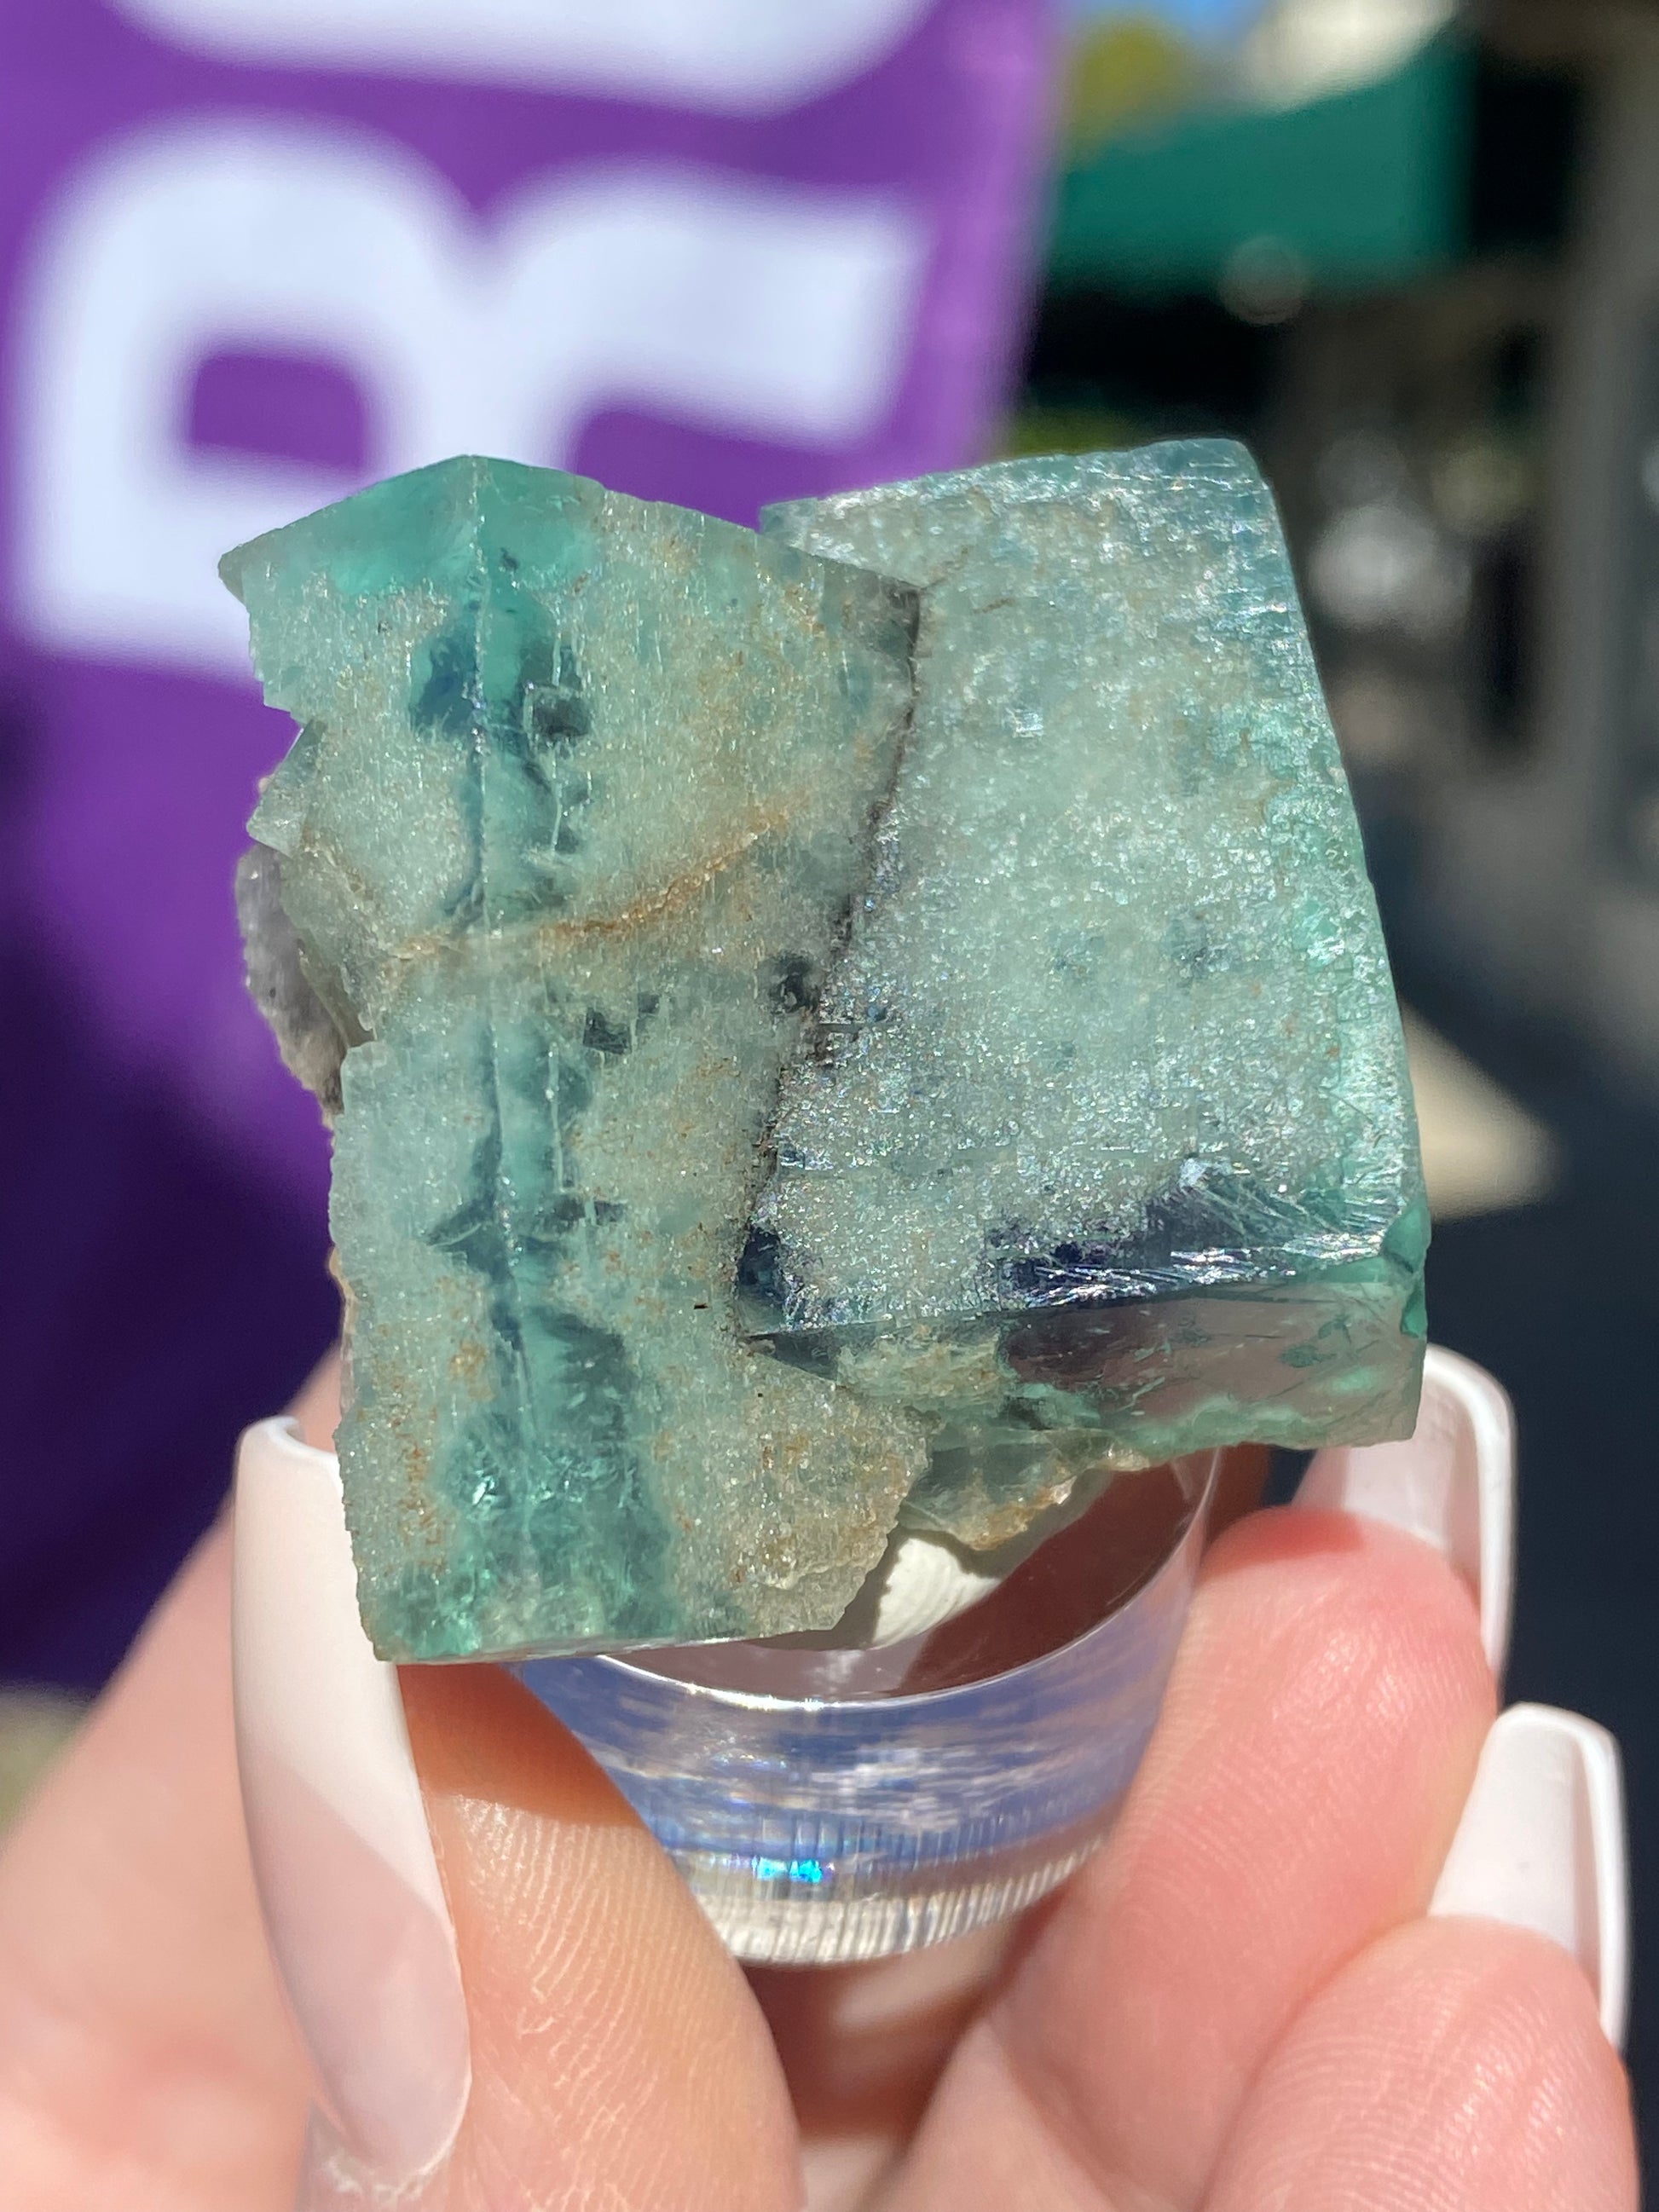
(509, 1996)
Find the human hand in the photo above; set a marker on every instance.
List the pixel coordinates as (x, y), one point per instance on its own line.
(1239, 2004)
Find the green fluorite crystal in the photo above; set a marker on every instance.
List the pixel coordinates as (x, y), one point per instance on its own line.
(762, 1123)
(1108, 1136)
(583, 789)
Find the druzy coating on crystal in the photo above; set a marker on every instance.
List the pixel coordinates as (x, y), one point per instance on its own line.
(583, 789)
(1107, 1131)
(866, 1026)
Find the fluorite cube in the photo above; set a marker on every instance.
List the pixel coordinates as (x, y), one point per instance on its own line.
(1107, 1131)
(799, 1076)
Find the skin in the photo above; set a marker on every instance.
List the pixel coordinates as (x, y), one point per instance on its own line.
(1237, 2006)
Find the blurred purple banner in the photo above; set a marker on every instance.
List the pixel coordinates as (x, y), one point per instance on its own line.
(255, 252)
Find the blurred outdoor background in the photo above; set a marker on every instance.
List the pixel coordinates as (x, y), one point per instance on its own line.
(254, 252)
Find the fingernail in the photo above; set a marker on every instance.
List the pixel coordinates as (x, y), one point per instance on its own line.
(333, 2179)
(342, 1858)
(1452, 1484)
(1542, 1845)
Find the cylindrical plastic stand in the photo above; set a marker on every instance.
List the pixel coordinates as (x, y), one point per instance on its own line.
(897, 1797)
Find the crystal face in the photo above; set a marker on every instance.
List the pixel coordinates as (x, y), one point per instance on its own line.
(797, 1075)
(1109, 1132)
(582, 791)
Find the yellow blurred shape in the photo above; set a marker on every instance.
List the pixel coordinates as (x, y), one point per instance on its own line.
(1482, 1151)
(35, 1725)
(1125, 69)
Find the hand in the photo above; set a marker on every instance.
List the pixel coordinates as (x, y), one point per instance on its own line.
(1238, 2005)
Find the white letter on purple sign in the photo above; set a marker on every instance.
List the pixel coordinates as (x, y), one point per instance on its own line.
(756, 310)
(736, 57)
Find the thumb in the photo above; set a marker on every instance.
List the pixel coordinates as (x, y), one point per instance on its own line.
(615, 2053)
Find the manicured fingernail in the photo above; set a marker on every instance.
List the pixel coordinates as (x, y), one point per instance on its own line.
(1542, 1845)
(333, 2179)
(353, 1905)
(1452, 1485)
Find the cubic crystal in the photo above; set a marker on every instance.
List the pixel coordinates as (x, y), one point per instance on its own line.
(1106, 1133)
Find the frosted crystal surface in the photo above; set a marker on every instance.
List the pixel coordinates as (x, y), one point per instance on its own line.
(582, 791)
(877, 1024)
(1106, 1132)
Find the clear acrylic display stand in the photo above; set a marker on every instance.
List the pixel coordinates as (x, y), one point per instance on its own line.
(830, 1805)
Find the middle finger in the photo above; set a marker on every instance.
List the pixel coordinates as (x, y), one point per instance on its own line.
(1317, 1742)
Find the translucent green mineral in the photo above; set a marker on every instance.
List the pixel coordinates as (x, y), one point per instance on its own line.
(1108, 1132)
(798, 1076)
(582, 792)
